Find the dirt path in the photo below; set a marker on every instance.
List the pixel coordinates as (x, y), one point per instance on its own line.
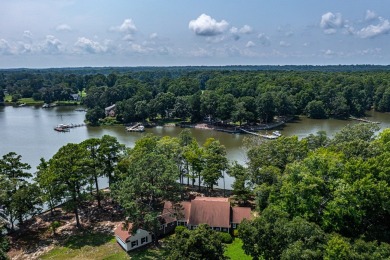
(36, 237)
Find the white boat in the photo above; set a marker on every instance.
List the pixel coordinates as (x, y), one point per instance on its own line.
(136, 128)
(276, 133)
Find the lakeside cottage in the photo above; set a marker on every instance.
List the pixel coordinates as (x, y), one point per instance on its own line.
(110, 111)
(216, 212)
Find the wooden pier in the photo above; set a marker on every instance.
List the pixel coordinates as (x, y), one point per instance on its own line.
(363, 120)
(66, 127)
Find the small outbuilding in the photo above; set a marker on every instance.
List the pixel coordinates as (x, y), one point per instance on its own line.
(130, 241)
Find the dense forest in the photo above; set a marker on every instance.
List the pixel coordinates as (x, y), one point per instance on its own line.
(314, 198)
(238, 94)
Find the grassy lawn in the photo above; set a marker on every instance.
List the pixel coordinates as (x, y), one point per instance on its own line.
(98, 246)
(88, 246)
(30, 101)
(101, 246)
(235, 251)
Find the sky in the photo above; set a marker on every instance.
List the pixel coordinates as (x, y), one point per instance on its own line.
(98, 33)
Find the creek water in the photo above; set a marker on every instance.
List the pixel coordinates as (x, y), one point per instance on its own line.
(28, 131)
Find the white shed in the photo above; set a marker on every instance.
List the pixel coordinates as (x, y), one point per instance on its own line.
(130, 242)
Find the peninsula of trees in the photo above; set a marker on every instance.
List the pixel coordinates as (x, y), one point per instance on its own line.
(239, 94)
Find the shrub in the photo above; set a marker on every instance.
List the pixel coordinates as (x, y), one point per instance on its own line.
(235, 232)
(180, 229)
(226, 238)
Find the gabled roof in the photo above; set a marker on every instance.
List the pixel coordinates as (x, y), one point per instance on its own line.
(240, 213)
(110, 107)
(122, 233)
(214, 213)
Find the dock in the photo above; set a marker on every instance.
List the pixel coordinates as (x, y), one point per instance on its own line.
(136, 128)
(270, 137)
(66, 127)
(364, 120)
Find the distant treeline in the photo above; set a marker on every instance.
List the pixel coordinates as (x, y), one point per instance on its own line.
(241, 94)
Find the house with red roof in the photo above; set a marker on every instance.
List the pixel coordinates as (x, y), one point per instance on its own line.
(216, 212)
(130, 241)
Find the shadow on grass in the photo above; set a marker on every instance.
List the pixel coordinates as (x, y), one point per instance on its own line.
(87, 238)
(148, 253)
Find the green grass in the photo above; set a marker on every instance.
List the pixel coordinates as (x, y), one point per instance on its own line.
(88, 246)
(235, 251)
(30, 101)
(99, 246)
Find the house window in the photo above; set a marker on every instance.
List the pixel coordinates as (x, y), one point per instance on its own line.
(144, 240)
(217, 229)
(234, 225)
(134, 243)
(225, 230)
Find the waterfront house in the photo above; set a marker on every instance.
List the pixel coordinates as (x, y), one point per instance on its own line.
(75, 97)
(110, 111)
(214, 211)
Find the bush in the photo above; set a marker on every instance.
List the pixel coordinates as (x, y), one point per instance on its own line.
(235, 232)
(180, 229)
(226, 238)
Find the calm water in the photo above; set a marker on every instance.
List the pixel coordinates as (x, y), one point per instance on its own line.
(28, 131)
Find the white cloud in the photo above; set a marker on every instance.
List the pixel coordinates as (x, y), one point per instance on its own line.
(27, 35)
(5, 48)
(127, 27)
(246, 29)
(51, 45)
(86, 45)
(284, 44)
(264, 39)
(250, 44)
(329, 53)
(204, 25)
(128, 37)
(331, 22)
(153, 36)
(370, 15)
(375, 51)
(372, 31)
(63, 28)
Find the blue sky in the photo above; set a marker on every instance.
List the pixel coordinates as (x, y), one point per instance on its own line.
(69, 33)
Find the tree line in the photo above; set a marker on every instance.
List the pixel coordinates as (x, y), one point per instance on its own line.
(233, 94)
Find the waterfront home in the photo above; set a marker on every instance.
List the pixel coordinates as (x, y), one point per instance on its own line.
(75, 97)
(216, 212)
(110, 111)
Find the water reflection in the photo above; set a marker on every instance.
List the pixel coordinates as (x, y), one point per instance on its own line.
(28, 131)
